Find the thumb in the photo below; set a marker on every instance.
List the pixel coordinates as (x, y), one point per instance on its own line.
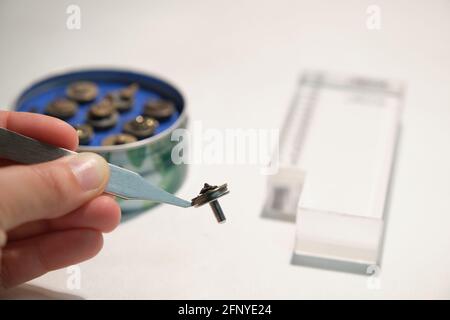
(51, 189)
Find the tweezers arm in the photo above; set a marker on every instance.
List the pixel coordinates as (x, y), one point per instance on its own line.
(130, 185)
(122, 183)
(14, 147)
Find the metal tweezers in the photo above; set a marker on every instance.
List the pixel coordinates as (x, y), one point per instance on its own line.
(122, 183)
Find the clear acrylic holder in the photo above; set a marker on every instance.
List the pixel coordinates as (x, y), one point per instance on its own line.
(335, 170)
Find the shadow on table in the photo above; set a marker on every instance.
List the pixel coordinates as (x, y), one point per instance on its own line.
(32, 292)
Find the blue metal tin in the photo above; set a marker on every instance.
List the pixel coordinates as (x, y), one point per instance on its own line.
(151, 157)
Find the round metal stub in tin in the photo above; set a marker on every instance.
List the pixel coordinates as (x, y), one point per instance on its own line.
(123, 100)
(103, 115)
(62, 108)
(118, 139)
(141, 127)
(82, 91)
(85, 133)
(151, 156)
(159, 109)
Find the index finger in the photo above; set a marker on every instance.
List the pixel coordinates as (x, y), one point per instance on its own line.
(40, 127)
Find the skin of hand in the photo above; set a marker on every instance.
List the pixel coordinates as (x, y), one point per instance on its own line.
(52, 214)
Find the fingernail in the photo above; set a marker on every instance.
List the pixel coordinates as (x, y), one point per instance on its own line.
(2, 238)
(90, 169)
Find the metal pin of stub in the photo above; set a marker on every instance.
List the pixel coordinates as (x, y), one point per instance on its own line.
(210, 194)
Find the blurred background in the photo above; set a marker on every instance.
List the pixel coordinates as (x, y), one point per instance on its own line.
(237, 64)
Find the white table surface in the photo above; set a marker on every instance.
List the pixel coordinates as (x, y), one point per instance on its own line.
(237, 64)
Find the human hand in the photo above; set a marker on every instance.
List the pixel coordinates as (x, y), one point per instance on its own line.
(52, 214)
